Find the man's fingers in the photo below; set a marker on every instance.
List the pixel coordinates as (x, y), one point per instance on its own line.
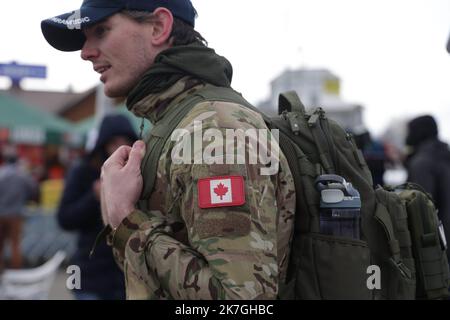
(136, 154)
(119, 157)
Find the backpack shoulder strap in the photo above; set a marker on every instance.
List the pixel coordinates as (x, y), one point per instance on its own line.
(212, 93)
(290, 102)
(158, 136)
(319, 126)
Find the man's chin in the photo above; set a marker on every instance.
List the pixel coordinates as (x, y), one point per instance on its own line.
(112, 92)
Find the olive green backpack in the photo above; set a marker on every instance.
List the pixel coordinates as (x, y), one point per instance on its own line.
(400, 255)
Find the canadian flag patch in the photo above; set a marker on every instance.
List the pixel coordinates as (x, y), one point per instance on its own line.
(227, 191)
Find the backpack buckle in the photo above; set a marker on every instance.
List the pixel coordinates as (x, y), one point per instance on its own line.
(319, 113)
(402, 268)
(294, 122)
(313, 119)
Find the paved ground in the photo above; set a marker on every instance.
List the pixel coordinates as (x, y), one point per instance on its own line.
(58, 290)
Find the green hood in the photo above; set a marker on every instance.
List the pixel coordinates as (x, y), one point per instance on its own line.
(194, 60)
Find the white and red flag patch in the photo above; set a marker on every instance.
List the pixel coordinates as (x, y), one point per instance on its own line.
(226, 191)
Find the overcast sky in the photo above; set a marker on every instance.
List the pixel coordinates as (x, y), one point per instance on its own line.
(389, 54)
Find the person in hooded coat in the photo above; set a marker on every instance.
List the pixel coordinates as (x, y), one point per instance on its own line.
(79, 211)
(428, 165)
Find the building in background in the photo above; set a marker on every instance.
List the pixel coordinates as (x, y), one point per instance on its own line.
(316, 88)
(48, 130)
(44, 126)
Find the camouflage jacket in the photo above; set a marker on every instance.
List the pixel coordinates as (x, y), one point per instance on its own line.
(177, 250)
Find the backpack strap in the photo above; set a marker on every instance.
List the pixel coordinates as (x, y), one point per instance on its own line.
(227, 94)
(158, 136)
(290, 102)
(324, 145)
(394, 247)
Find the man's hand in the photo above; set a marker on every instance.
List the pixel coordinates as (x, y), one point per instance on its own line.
(121, 183)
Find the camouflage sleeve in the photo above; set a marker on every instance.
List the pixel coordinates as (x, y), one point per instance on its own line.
(231, 251)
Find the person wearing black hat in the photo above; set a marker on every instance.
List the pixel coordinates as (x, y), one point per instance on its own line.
(201, 229)
(428, 165)
(79, 211)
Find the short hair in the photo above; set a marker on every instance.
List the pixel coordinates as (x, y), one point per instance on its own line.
(182, 33)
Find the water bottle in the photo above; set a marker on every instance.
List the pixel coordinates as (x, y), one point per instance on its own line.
(340, 207)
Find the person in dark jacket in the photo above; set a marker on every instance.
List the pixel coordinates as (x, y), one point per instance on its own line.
(428, 165)
(79, 211)
(17, 188)
(374, 154)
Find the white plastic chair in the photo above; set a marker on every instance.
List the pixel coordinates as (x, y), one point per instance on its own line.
(30, 284)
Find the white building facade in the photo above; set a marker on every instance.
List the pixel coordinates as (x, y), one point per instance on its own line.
(316, 88)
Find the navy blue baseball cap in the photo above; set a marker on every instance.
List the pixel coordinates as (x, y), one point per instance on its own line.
(64, 33)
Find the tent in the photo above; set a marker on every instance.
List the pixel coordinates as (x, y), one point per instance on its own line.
(29, 125)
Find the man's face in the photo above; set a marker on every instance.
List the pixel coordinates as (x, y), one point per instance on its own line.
(121, 51)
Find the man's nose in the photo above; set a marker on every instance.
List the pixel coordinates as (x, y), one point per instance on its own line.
(89, 52)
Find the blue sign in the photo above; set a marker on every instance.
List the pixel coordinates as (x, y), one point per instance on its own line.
(19, 71)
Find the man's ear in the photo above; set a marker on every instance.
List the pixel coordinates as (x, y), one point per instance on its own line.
(162, 26)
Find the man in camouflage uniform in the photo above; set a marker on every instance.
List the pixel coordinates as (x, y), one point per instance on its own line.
(179, 243)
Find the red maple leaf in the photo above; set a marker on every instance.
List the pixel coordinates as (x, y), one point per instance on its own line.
(220, 190)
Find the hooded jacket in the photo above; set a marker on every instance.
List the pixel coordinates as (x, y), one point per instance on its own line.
(79, 211)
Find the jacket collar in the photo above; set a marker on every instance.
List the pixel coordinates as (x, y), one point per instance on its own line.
(153, 106)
